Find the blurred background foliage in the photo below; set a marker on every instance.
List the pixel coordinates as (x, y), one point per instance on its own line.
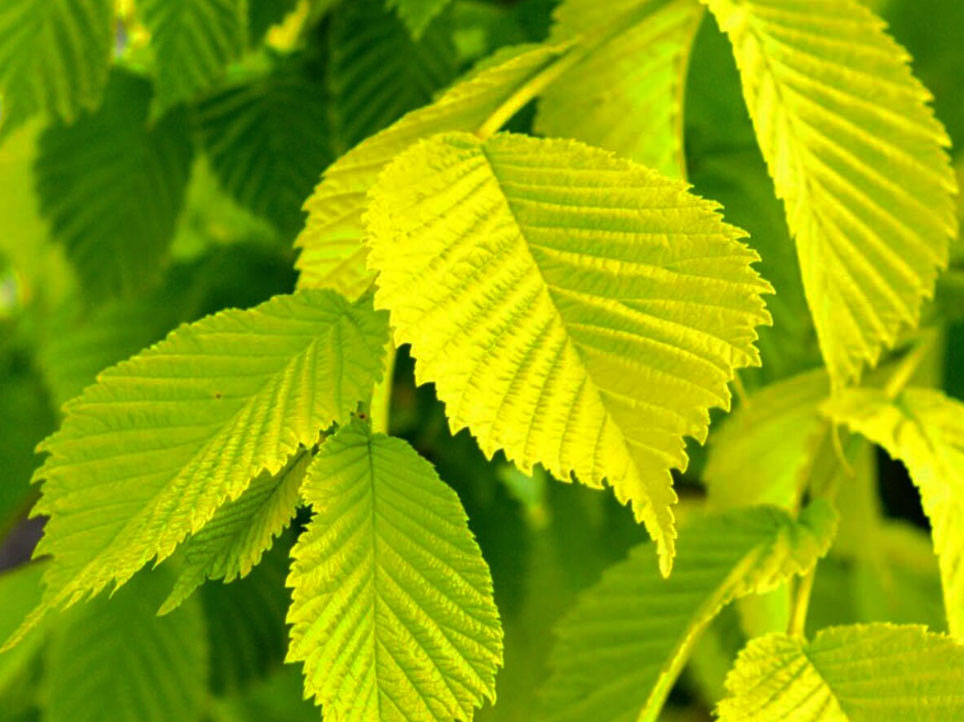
(180, 194)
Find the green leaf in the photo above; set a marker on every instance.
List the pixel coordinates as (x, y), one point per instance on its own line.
(193, 41)
(231, 544)
(392, 602)
(925, 430)
(54, 57)
(758, 454)
(148, 454)
(20, 590)
(246, 623)
(376, 72)
(626, 95)
(417, 14)
(858, 159)
(861, 673)
(112, 187)
(266, 141)
(114, 659)
(576, 310)
(622, 647)
(332, 247)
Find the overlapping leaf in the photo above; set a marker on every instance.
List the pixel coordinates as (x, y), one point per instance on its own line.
(621, 649)
(54, 56)
(332, 243)
(572, 308)
(392, 607)
(231, 544)
(861, 673)
(417, 14)
(858, 159)
(376, 72)
(626, 95)
(267, 141)
(113, 658)
(758, 454)
(112, 186)
(193, 41)
(925, 430)
(148, 454)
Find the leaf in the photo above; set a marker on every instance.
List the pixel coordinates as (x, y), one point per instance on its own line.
(193, 41)
(858, 159)
(392, 607)
(230, 545)
(112, 187)
(620, 650)
(417, 14)
(925, 430)
(576, 310)
(376, 72)
(869, 672)
(20, 591)
(54, 57)
(626, 95)
(148, 454)
(114, 659)
(246, 624)
(758, 454)
(332, 248)
(266, 142)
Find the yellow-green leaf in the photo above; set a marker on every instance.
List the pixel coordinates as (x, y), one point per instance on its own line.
(626, 94)
(622, 647)
(149, 453)
(925, 430)
(861, 673)
(577, 310)
(858, 159)
(332, 243)
(392, 607)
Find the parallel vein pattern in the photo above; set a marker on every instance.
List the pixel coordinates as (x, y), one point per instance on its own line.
(112, 185)
(626, 95)
(376, 72)
(332, 243)
(620, 650)
(858, 159)
(54, 56)
(392, 607)
(266, 142)
(148, 454)
(113, 658)
(231, 544)
(925, 430)
(194, 40)
(860, 673)
(573, 309)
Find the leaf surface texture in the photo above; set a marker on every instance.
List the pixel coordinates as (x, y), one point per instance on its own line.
(149, 453)
(392, 608)
(860, 673)
(576, 310)
(621, 648)
(858, 159)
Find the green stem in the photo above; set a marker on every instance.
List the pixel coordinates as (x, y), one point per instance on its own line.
(801, 603)
(908, 366)
(382, 395)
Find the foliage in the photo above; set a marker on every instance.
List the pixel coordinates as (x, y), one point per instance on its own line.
(307, 306)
